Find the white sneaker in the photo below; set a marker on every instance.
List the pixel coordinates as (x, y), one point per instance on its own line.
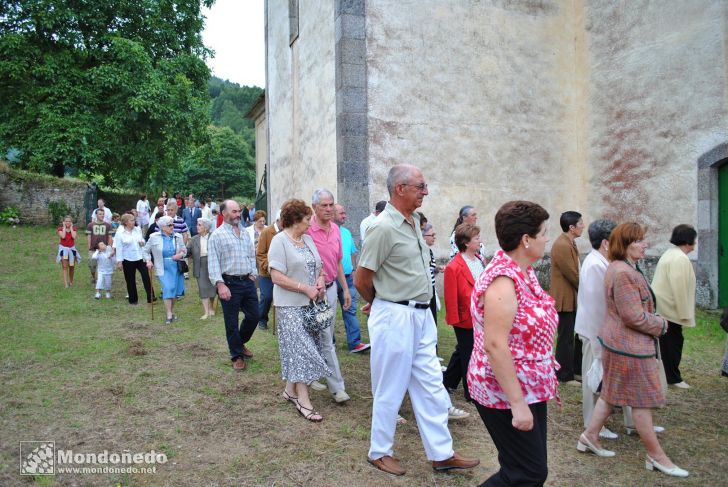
(631, 430)
(108, 295)
(317, 386)
(455, 413)
(341, 396)
(681, 385)
(608, 434)
(97, 295)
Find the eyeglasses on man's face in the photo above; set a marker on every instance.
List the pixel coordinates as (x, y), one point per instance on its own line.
(418, 187)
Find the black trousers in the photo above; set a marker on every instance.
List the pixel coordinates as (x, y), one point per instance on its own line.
(671, 346)
(568, 348)
(130, 267)
(521, 454)
(243, 297)
(457, 368)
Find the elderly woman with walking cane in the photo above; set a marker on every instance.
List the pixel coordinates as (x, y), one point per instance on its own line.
(167, 249)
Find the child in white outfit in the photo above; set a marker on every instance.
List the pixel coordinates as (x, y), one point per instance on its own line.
(104, 255)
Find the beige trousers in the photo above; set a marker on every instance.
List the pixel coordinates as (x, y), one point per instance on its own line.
(588, 398)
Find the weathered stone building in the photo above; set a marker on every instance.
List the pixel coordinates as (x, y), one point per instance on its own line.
(612, 108)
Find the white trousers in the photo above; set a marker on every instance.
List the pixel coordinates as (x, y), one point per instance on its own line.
(403, 359)
(103, 281)
(328, 350)
(588, 398)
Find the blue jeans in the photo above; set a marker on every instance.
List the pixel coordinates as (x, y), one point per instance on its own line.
(243, 297)
(266, 298)
(351, 321)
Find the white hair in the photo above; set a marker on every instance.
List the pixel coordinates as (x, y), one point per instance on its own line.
(319, 193)
(164, 221)
(205, 223)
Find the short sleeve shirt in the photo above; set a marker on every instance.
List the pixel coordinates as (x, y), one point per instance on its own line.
(348, 248)
(99, 232)
(399, 257)
(530, 340)
(328, 244)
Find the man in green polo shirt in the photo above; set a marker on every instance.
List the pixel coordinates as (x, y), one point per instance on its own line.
(394, 276)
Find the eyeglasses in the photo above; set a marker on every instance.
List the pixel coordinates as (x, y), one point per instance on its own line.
(419, 187)
(430, 235)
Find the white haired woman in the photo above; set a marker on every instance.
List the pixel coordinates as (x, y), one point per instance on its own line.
(197, 250)
(167, 249)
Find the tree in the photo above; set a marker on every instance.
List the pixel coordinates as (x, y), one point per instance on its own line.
(224, 166)
(110, 87)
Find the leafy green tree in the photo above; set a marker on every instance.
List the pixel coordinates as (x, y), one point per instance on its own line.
(110, 87)
(224, 166)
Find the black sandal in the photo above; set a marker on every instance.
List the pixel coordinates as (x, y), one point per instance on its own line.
(288, 397)
(309, 415)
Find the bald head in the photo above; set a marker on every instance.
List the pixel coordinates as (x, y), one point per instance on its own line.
(407, 188)
(401, 174)
(231, 212)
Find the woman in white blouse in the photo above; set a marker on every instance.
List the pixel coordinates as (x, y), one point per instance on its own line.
(128, 243)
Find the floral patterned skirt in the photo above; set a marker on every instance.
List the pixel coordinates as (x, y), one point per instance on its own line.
(301, 359)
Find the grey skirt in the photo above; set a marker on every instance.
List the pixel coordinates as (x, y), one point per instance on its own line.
(207, 290)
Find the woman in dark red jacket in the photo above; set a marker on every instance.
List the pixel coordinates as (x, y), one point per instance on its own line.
(460, 275)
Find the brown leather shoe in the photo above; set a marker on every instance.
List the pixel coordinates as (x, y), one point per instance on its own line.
(455, 462)
(387, 464)
(247, 353)
(239, 364)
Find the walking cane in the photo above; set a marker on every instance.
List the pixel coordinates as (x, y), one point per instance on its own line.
(151, 283)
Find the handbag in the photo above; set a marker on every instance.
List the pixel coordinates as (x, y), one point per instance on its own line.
(182, 266)
(594, 376)
(317, 316)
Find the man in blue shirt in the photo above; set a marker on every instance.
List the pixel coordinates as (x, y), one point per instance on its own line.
(348, 261)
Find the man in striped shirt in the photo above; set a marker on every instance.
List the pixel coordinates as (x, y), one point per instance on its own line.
(232, 268)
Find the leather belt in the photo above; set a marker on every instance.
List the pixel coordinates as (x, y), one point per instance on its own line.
(229, 277)
(413, 304)
(330, 284)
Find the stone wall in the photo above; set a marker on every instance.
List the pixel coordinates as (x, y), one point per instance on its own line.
(596, 106)
(301, 100)
(31, 194)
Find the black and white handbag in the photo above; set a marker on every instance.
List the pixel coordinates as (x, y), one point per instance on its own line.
(318, 316)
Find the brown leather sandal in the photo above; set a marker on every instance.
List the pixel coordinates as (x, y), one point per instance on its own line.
(310, 414)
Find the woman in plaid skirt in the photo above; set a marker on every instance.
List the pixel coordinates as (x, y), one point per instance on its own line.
(629, 337)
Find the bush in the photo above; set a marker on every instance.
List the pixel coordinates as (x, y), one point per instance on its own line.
(10, 216)
(57, 210)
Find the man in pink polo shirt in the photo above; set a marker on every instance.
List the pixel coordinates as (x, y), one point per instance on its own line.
(327, 237)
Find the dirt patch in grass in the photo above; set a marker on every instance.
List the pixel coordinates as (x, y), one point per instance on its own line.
(136, 348)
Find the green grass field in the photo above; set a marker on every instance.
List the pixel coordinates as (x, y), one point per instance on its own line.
(102, 375)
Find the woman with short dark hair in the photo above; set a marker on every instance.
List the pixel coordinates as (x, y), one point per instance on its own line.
(512, 375)
(674, 285)
(460, 275)
(630, 350)
(297, 274)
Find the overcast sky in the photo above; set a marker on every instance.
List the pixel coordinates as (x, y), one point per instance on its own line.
(234, 30)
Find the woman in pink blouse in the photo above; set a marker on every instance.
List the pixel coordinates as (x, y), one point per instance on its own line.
(512, 370)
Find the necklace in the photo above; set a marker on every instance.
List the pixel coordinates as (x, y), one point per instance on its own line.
(298, 241)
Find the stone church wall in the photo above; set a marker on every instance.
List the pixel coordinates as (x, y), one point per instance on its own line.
(301, 101)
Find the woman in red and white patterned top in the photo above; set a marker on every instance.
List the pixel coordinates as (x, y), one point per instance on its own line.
(512, 369)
